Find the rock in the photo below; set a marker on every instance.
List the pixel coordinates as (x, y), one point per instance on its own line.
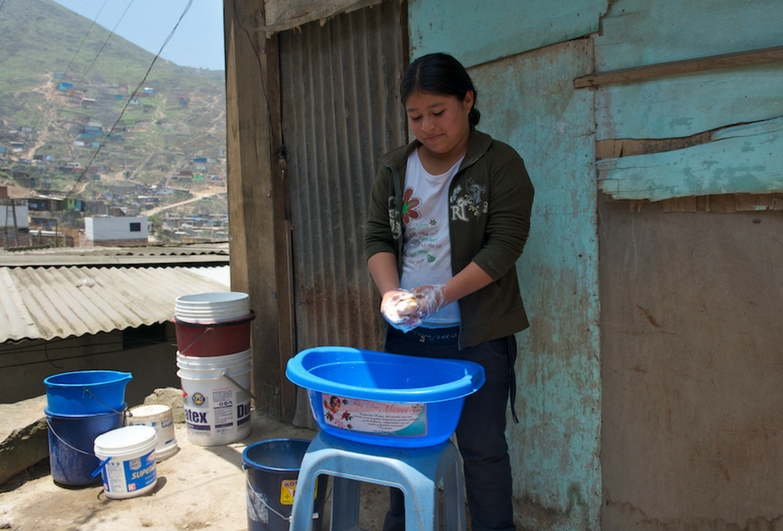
(172, 397)
(23, 449)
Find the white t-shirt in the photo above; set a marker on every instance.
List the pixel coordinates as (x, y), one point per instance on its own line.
(426, 257)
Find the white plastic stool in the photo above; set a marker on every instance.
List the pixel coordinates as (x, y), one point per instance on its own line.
(416, 471)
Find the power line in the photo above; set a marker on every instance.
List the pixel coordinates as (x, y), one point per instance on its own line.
(70, 63)
(94, 21)
(104, 44)
(127, 103)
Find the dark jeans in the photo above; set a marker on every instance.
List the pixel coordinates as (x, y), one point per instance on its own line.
(481, 429)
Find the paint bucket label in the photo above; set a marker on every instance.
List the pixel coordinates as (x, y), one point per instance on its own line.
(127, 461)
(215, 415)
(130, 475)
(288, 491)
(160, 417)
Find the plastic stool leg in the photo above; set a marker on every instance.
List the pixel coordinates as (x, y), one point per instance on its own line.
(304, 499)
(453, 499)
(346, 498)
(421, 507)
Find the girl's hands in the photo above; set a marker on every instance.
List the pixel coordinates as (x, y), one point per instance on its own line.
(431, 298)
(405, 310)
(399, 307)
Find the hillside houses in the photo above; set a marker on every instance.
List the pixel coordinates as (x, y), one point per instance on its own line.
(104, 156)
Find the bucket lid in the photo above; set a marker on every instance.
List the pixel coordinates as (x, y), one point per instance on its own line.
(148, 410)
(127, 440)
(212, 298)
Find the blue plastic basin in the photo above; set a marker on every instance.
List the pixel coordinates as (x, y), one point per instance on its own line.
(86, 392)
(384, 399)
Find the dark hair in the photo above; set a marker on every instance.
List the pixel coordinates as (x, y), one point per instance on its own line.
(439, 73)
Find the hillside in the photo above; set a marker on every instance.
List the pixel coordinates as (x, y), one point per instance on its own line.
(78, 117)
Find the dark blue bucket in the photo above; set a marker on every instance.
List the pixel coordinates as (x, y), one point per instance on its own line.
(71, 445)
(272, 469)
(86, 392)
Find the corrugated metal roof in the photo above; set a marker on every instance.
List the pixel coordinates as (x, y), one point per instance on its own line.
(202, 253)
(58, 302)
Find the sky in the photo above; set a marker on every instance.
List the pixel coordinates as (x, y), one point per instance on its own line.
(198, 41)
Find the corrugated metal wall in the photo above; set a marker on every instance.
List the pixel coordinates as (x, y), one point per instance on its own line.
(341, 112)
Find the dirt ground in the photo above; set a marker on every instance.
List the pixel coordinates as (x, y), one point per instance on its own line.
(197, 488)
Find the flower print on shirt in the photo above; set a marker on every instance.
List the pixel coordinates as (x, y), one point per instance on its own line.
(409, 204)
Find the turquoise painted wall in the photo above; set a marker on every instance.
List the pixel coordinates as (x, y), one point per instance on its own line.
(479, 32)
(740, 107)
(528, 101)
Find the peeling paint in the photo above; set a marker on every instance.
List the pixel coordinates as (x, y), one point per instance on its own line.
(724, 166)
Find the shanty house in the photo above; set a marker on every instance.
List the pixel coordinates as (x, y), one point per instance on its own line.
(648, 380)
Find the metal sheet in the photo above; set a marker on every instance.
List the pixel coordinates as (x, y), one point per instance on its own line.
(58, 302)
(341, 112)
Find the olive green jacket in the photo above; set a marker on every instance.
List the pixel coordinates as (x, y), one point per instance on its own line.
(490, 201)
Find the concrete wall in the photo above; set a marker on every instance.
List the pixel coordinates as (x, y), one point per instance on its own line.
(25, 364)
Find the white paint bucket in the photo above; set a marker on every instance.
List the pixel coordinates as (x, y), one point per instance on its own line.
(212, 307)
(127, 458)
(216, 397)
(160, 417)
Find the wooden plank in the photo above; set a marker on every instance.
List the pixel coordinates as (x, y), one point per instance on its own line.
(723, 203)
(283, 259)
(252, 191)
(639, 32)
(287, 14)
(687, 66)
(743, 159)
(626, 147)
(686, 105)
(480, 32)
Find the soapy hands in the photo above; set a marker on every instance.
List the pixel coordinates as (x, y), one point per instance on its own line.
(398, 308)
(431, 299)
(406, 309)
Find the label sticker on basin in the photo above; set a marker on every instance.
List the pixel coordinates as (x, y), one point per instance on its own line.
(365, 416)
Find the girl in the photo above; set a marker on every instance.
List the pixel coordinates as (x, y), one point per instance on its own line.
(449, 216)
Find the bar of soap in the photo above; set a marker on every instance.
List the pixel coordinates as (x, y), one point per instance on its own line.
(399, 307)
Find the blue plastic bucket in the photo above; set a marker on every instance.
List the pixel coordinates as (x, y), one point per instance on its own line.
(272, 470)
(384, 399)
(71, 445)
(86, 392)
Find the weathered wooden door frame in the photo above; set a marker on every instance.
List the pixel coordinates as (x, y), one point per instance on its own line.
(259, 231)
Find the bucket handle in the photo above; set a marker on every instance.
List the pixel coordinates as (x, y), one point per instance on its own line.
(51, 428)
(196, 340)
(256, 496)
(230, 379)
(86, 390)
(101, 467)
